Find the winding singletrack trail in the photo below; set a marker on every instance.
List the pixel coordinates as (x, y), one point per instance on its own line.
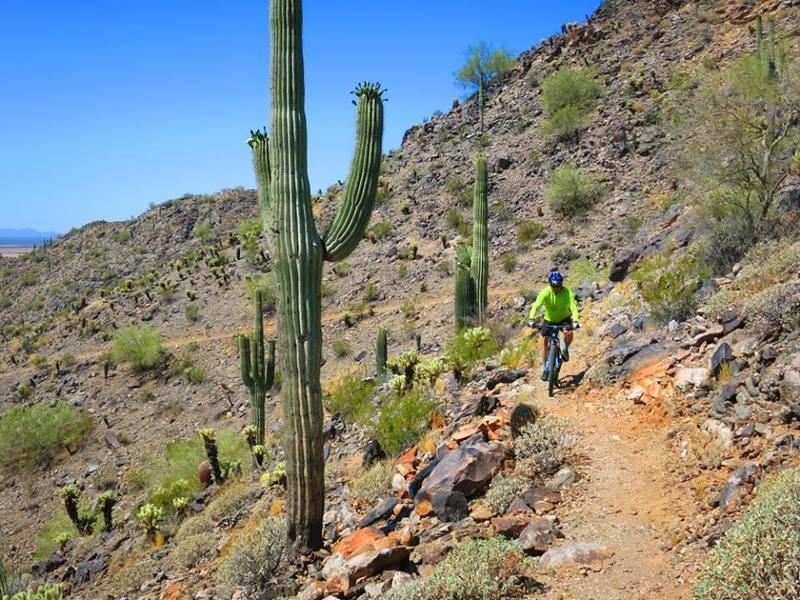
(627, 499)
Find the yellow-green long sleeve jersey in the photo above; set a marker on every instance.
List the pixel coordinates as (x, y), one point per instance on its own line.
(557, 307)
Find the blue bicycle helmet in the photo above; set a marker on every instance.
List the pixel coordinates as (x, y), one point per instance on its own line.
(555, 278)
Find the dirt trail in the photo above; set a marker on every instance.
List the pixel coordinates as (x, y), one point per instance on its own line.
(627, 500)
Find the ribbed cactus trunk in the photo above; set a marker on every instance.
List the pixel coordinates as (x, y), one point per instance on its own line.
(298, 251)
(465, 289)
(257, 366)
(381, 353)
(480, 241)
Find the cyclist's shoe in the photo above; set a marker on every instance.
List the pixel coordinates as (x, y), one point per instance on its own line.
(545, 374)
(565, 353)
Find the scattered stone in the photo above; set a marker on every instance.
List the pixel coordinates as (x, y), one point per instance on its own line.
(687, 378)
(586, 554)
(723, 354)
(565, 476)
(539, 535)
(358, 541)
(450, 507)
(372, 453)
(746, 474)
(504, 376)
(379, 512)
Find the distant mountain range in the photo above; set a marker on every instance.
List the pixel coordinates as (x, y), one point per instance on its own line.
(24, 237)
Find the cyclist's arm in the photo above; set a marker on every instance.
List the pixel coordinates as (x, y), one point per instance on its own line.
(573, 307)
(537, 305)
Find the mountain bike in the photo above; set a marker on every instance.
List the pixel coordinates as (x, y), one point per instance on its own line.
(554, 357)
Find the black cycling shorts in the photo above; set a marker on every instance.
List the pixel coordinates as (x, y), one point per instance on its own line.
(567, 321)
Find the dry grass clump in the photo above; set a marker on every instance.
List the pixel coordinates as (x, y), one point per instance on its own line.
(502, 492)
(374, 482)
(192, 549)
(545, 446)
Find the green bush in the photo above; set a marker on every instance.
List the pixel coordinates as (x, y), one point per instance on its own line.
(122, 236)
(571, 191)
(493, 569)
(464, 351)
(192, 312)
(508, 260)
(265, 283)
(583, 269)
(373, 482)
(455, 218)
(774, 308)
(381, 229)
(544, 446)
(139, 346)
(341, 348)
(203, 231)
(5, 301)
(529, 231)
(192, 549)
(257, 559)
(668, 285)
(759, 557)
(352, 398)
(32, 436)
(173, 473)
(402, 420)
(568, 96)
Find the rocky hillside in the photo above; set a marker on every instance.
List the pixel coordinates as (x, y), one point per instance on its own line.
(187, 267)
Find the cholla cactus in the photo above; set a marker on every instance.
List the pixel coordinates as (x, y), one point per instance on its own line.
(259, 452)
(476, 337)
(210, 444)
(106, 502)
(405, 365)
(428, 370)
(63, 538)
(251, 434)
(150, 517)
(71, 494)
(398, 384)
(180, 505)
(43, 592)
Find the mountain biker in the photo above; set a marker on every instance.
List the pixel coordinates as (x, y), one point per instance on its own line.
(560, 308)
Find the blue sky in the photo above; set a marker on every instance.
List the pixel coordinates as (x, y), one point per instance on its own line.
(107, 106)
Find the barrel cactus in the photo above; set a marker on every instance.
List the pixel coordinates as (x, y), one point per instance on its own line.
(257, 366)
(298, 252)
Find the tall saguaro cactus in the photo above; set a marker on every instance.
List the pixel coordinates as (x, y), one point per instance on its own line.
(257, 367)
(480, 240)
(298, 252)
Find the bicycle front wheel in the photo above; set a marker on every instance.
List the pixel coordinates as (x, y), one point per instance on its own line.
(553, 367)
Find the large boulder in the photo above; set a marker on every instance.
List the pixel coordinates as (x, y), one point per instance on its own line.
(467, 469)
(790, 386)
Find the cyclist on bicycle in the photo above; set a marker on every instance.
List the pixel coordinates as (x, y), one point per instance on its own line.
(560, 308)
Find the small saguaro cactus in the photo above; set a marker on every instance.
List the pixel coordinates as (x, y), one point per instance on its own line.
(84, 524)
(381, 353)
(480, 240)
(210, 444)
(106, 502)
(465, 288)
(298, 251)
(257, 367)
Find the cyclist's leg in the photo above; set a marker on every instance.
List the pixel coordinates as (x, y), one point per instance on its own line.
(569, 335)
(545, 348)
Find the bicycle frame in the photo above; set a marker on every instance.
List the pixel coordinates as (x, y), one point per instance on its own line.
(554, 356)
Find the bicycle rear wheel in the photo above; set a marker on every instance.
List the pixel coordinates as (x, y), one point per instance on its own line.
(553, 368)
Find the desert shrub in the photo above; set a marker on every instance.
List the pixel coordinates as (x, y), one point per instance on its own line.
(173, 474)
(5, 301)
(248, 233)
(571, 191)
(564, 255)
(191, 550)
(233, 497)
(502, 492)
(508, 260)
(23, 391)
(257, 559)
(32, 436)
(402, 419)
(455, 218)
(521, 355)
(138, 346)
(544, 446)
(408, 309)
(373, 482)
(342, 268)
(468, 347)
(351, 398)
(341, 348)
(265, 283)
(194, 526)
(192, 312)
(29, 278)
(491, 569)
(529, 231)
(203, 231)
(774, 308)
(58, 528)
(122, 236)
(583, 269)
(381, 229)
(12, 581)
(568, 96)
(668, 285)
(767, 264)
(759, 557)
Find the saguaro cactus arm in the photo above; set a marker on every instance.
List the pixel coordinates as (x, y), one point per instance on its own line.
(259, 142)
(358, 198)
(244, 360)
